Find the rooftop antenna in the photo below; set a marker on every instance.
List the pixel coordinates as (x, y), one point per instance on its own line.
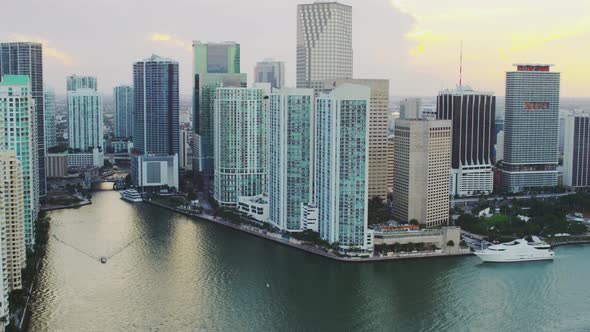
(461, 66)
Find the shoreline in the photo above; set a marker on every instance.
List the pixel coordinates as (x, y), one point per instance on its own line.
(308, 248)
(62, 207)
(569, 243)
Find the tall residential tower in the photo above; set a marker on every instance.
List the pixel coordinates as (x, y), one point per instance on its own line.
(241, 146)
(341, 174)
(291, 116)
(85, 117)
(155, 112)
(214, 65)
(123, 108)
(26, 58)
(18, 133)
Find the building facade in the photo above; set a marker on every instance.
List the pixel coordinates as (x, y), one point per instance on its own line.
(270, 71)
(531, 128)
(156, 106)
(49, 106)
(500, 146)
(472, 114)
(241, 160)
(85, 119)
(26, 58)
(75, 82)
(12, 214)
(410, 108)
(341, 177)
(390, 160)
(576, 154)
(214, 65)
(422, 160)
(184, 160)
(291, 115)
(123, 108)
(57, 165)
(155, 171)
(324, 43)
(18, 133)
(377, 132)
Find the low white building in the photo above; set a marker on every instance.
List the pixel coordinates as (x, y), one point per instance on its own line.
(309, 217)
(83, 159)
(155, 171)
(256, 207)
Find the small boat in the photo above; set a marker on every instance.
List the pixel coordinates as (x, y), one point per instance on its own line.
(517, 251)
(103, 259)
(131, 195)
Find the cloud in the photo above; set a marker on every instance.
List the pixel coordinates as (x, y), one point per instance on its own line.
(169, 40)
(48, 51)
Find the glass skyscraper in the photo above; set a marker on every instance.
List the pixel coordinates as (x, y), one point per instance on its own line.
(324, 43)
(214, 65)
(49, 101)
(240, 143)
(290, 137)
(18, 133)
(341, 165)
(85, 114)
(155, 112)
(531, 128)
(123, 108)
(25, 58)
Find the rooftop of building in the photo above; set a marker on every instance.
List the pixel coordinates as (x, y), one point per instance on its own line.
(229, 42)
(461, 90)
(14, 80)
(258, 199)
(157, 58)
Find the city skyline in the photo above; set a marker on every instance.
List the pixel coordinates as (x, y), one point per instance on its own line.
(420, 57)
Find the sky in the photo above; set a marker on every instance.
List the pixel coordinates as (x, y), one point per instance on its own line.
(414, 43)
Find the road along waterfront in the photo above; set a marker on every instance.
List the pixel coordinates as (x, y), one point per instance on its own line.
(182, 274)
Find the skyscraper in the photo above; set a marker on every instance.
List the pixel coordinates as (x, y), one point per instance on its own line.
(49, 100)
(410, 108)
(12, 214)
(576, 155)
(123, 108)
(290, 137)
(270, 71)
(531, 128)
(377, 132)
(421, 171)
(341, 165)
(214, 65)
(85, 117)
(24, 58)
(155, 112)
(184, 161)
(472, 114)
(324, 43)
(241, 148)
(18, 133)
(75, 82)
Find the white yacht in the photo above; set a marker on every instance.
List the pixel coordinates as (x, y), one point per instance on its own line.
(131, 195)
(517, 251)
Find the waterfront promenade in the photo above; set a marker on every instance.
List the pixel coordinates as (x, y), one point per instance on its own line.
(311, 248)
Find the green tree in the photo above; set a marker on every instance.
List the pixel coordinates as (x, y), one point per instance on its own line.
(378, 212)
(451, 243)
